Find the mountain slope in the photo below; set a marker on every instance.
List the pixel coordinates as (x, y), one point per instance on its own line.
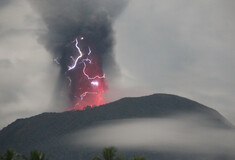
(45, 131)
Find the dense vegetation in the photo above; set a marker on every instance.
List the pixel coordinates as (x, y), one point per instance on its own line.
(108, 153)
(10, 154)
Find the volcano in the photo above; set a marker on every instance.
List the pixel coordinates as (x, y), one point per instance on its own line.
(46, 131)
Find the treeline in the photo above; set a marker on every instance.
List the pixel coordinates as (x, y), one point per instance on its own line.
(10, 154)
(109, 153)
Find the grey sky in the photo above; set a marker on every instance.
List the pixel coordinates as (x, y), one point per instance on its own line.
(27, 71)
(181, 47)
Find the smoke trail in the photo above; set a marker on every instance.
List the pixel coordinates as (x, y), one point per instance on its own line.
(66, 20)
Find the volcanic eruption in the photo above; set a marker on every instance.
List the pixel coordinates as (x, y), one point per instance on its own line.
(85, 77)
(80, 37)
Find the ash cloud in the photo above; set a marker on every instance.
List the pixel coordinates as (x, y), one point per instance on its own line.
(67, 20)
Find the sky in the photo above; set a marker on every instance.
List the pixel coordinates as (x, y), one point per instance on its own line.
(182, 47)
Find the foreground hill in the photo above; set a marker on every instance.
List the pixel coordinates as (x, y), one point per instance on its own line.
(46, 131)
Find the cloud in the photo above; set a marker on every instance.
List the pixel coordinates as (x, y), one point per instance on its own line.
(68, 20)
(179, 47)
(4, 3)
(181, 134)
(26, 69)
(29, 81)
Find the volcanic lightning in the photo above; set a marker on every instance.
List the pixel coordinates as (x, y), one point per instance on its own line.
(95, 83)
(81, 42)
(84, 72)
(85, 77)
(80, 55)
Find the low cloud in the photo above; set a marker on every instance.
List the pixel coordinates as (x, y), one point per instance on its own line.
(176, 134)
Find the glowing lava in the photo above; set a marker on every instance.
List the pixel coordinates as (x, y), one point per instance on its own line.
(85, 76)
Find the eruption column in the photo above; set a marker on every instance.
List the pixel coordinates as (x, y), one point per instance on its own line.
(86, 79)
(93, 19)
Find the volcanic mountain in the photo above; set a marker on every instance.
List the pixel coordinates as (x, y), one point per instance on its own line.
(46, 131)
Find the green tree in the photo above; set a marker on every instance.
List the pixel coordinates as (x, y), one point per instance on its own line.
(108, 153)
(138, 158)
(10, 154)
(35, 155)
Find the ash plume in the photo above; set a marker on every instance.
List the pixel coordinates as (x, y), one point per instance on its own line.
(66, 20)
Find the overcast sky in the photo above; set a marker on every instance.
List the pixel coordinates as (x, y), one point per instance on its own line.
(181, 47)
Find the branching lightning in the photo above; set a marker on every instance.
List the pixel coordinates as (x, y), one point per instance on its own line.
(80, 55)
(84, 70)
(92, 84)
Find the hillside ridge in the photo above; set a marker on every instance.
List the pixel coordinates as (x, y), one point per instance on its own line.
(44, 131)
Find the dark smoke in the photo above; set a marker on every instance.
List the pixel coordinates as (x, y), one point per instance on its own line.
(68, 19)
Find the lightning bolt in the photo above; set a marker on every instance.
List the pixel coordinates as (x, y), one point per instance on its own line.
(56, 60)
(70, 81)
(84, 71)
(85, 93)
(75, 60)
(95, 83)
(89, 51)
(79, 60)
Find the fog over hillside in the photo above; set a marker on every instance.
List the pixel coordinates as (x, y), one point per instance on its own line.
(181, 134)
(158, 126)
